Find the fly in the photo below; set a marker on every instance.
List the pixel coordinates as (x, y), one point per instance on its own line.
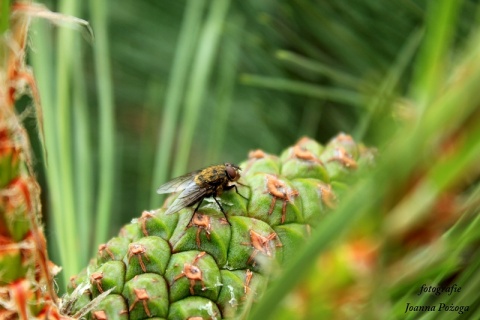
(198, 185)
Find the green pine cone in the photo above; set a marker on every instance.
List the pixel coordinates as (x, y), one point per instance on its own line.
(203, 267)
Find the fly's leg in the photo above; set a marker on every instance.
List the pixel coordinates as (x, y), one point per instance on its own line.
(221, 208)
(195, 211)
(241, 195)
(236, 189)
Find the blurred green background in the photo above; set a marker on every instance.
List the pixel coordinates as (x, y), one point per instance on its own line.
(161, 88)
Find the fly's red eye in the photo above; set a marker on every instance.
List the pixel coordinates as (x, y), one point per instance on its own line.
(231, 172)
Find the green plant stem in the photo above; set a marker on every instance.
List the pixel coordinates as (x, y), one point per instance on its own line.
(84, 184)
(197, 88)
(4, 18)
(440, 30)
(226, 83)
(386, 92)
(63, 126)
(98, 11)
(175, 91)
(317, 67)
(44, 74)
(334, 94)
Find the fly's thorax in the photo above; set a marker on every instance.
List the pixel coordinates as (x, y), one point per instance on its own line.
(211, 176)
(199, 181)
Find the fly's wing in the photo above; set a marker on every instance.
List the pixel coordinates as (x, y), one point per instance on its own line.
(190, 195)
(177, 184)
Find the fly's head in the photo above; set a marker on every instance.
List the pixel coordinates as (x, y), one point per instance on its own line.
(232, 171)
